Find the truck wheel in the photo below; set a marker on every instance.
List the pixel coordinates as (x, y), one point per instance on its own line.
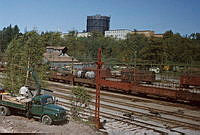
(4, 111)
(46, 120)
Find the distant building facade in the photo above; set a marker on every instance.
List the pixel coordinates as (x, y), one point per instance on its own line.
(83, 34)
(146, 33)
(158, 35)
(118, 34)
(98, 23)
(122, 33)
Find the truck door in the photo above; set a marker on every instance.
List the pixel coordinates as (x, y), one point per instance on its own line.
(37, 108)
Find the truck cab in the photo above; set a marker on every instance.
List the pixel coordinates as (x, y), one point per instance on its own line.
(44, 107)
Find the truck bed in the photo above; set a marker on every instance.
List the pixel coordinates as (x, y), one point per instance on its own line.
(12, 102)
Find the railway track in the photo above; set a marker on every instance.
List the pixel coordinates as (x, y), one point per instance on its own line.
(138, 113)
(150, 109)
(122, 120)
(147, 112)
(125, 96)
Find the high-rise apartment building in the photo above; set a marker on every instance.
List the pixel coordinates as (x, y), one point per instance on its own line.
(98, 23)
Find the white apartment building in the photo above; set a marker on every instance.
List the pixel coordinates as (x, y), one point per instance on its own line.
(78, 34)
(83, 34)
(118, 34)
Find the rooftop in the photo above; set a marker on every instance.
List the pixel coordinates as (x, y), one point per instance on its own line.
(57, 57)
(55, 47)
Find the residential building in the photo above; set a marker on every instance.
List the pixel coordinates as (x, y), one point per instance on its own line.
(83, 34)
(118, 34)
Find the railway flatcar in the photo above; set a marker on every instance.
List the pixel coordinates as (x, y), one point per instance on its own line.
(85, 82)
(189, 80)
(130, 75)
(61, 77)
(105, 72)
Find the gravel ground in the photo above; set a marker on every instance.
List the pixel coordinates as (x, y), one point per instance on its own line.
(19, 124)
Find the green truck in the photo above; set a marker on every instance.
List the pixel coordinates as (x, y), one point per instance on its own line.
(42, 107)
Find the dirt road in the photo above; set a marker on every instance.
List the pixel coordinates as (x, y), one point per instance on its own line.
(19, 124)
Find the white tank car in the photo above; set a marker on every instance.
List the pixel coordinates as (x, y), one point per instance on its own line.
(78, 74)
(90, 75)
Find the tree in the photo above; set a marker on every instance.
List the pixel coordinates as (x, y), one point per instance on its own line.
(80, 102)
(24, 53)
(179, 49)
(52, 39)
(168, 34)
(153, 51)
(131, 46)
(6, 35)
(71, 42)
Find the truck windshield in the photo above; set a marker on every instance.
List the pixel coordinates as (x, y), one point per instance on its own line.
(48, 100)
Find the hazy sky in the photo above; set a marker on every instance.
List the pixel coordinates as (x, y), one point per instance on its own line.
(181, 16)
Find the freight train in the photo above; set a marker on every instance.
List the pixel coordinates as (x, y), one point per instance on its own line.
(87, 76)
(132, 81)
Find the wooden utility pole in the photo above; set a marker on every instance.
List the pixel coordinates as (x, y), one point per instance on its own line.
(98, 86)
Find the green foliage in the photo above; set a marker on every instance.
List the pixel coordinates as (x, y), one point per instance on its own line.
(172, 48)
(131, 47)
(6, 35)
(52, 39)
(81, 100)
(154, 51)
(23, 53)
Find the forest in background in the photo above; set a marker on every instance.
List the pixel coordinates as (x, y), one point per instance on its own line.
(171, 49)
(23, 52)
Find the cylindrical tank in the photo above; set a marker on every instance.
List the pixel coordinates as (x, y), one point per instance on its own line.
(90, 75)
(78, 74)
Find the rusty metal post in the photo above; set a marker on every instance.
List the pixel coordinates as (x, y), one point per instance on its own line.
(98, 85)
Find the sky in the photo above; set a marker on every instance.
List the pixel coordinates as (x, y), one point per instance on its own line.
(180, 16)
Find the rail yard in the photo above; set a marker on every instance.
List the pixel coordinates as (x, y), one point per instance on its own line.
(145, 114)
(134, 101)
(185, 89)
(128, 68)
(123, 112)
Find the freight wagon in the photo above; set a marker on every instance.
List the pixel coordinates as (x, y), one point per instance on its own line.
(135, 75)
(189, 80)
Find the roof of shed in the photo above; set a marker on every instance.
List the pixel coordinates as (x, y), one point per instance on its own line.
(56, 57)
